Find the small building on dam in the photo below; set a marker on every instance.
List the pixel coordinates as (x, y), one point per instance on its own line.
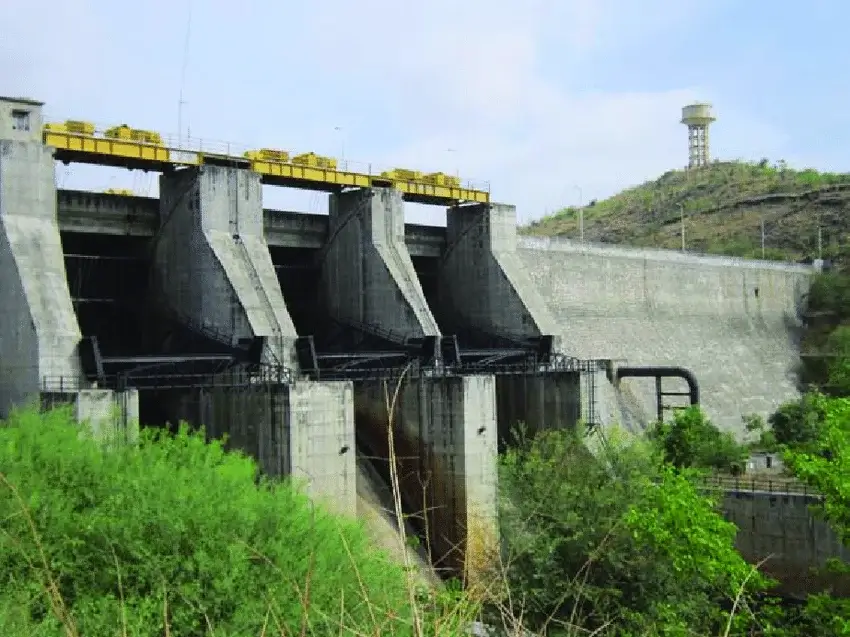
(303, 336)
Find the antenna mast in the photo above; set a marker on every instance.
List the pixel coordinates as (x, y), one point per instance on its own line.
(183, 75)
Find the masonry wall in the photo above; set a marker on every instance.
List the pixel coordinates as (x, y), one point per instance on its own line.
(733, 322)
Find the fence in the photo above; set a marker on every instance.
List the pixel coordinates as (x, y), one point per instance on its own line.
(778, 485)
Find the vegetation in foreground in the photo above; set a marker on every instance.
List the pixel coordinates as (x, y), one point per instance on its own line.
(177, 537)
(725, 205)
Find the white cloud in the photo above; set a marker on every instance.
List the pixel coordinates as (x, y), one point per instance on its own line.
(499, 82)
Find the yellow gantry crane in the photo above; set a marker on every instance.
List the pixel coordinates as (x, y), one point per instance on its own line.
(134, 148)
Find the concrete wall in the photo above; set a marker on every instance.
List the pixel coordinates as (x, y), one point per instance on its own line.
(304, 430)
(367, 274)
(482, 280)
(550, 401)
(39, 332)
(445, 437)
(211, 262)
(781, 527)
(112, 415)
(21, 119)
(101, 213)
(733, 322)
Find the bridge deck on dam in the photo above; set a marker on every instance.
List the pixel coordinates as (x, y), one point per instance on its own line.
(110, 214)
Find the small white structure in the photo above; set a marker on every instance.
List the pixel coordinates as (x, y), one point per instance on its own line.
(765, 462)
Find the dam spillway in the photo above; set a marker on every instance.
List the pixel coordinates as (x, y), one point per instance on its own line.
(280, 329)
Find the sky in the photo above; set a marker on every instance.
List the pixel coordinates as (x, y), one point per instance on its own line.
(550, 102)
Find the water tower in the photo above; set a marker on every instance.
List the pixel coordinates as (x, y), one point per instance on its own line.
(698, 117)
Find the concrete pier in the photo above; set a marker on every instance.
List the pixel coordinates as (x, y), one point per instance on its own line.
(367, 274)
(39, 332)
(111, 415)
(483, 282)
(211, 262)
(304, 430)
(445, 442)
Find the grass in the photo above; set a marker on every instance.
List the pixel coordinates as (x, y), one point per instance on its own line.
(724, 206)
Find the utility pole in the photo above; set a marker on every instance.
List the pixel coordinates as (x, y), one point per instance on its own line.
(820, 241)
(339, 130)
(682, 219)
(457, 168)
(762, 238)
(180, 101)
(580, 215)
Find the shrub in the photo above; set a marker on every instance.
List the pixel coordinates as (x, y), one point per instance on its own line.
(691, 440)
(174, 528)
(618, 544)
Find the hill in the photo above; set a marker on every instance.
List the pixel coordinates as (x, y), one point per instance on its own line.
(724, 206)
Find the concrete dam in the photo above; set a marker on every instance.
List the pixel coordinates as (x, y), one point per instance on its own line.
(288, 331)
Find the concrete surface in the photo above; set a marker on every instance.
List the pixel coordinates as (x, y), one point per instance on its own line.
(101, 213)
(367, 274)
(445, 441)
(39, 332)
(304, 430)
(111, 415)
(733, 322)
(21, 119)
(482, 280)
(376, 510)
(211, 263)
(781, 527)
(550, 401)
(320, 427)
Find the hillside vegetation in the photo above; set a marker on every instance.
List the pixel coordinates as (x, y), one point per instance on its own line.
(724, 206)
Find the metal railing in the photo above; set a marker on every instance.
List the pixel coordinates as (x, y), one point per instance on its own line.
(186, 148)
(779, 485)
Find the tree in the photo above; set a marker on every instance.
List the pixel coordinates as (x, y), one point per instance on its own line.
(824, 464)
(619, 540)
(691, 440)
(838, 364)
(798, 423)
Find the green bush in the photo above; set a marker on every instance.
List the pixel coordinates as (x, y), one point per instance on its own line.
(798, 423)
(691, 440)
(174, 528)
(619, 544)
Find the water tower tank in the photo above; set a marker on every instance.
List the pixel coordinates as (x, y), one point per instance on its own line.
(700, 114)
